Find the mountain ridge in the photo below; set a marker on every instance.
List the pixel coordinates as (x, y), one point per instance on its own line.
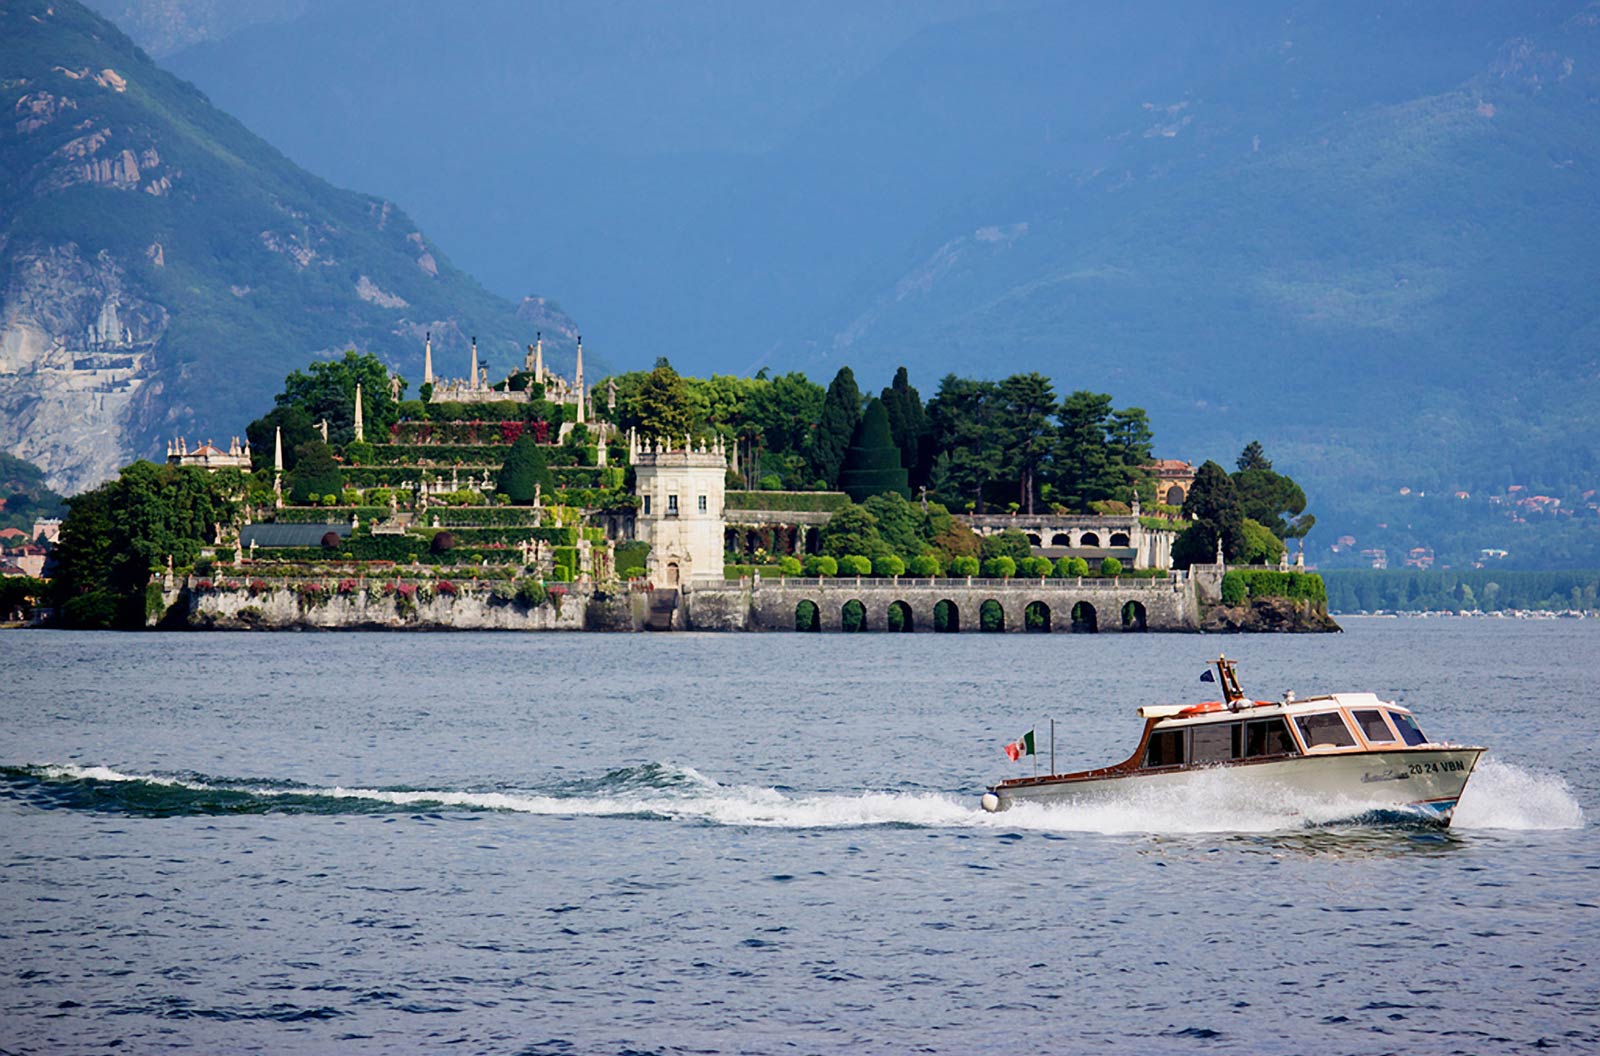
(162, 268)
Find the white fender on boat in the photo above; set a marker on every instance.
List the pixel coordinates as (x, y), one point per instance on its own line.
(991, 802)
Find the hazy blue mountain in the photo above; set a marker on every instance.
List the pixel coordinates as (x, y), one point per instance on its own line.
(1357, 230)
(162, 268)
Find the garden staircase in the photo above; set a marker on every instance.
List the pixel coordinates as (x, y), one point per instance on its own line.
(663, 607)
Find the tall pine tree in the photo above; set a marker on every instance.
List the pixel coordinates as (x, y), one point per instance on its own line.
(841, 413)
(908, 422)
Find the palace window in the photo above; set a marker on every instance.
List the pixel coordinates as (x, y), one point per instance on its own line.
(702, 504)
(647, 505)
(672, 505)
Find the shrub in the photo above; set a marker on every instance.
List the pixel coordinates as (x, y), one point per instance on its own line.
(855, 565)
(820, 565)
(347, 586)
(1068, 567)
(257, 586)
(443, 543)
(789, 566)
(1110, 566)
(1234, 589)
(965, 565)
(1000, 567)
(446, 588)
(331, 540)
(1035, 567)
(888, 565)
(531, 594)
(924, 565)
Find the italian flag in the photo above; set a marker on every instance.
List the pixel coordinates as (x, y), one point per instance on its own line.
(1020, 747)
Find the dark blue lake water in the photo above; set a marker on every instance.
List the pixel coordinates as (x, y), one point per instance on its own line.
(767, 844)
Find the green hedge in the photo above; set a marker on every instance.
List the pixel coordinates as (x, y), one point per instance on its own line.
(483, 516)
(329, 514)
(786, 501)
(1240, 584)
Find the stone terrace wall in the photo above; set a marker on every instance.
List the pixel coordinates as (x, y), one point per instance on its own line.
(283, 609)
(1169, 604)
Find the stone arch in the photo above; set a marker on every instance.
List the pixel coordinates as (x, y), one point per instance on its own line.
(1133, 616)
(1061, 539)
(1089, 539)
(807, 617)
(1175, 495)
(991, 616)
(1120, 539)
(1034, 539)
(1084, 619)
(1036, 618)
(946, 616)
(899, 617)
(853, 616)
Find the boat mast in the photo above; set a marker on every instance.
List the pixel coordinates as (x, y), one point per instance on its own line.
(1228, 679)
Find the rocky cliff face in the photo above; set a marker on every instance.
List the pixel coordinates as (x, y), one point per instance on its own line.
(162, 269)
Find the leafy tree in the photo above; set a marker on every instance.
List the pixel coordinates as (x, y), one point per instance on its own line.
(1213, 504)
(900, 523)
(297, 429)
(836, 427)
(908, 421)
(1027, 403)
(1272, 500)
(1000, 567)
(115, 536)
(1110, 566)
(315, 473)
(327, 390)
(888, 565)
(1253, 457)
(786, 410)
(872, 463)
(965, 565)
(924, 565)
(660, 408)
(789, 565)
(821, 565)
(855, 565)
(1261, 546)
(1010, 543)
(962, 420)
(526, 469)
(1085, 468)
(852, 530)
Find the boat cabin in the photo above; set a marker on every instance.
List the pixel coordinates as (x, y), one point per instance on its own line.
(1244, 731)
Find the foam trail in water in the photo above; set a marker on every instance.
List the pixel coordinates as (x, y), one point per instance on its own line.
(1502, 796)
(1510, 798)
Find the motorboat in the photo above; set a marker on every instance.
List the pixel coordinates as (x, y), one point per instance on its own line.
(1352, 751)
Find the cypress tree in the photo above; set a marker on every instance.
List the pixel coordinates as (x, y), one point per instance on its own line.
(525, 466)
(315, 473)
(908, 423)
(841, 414)
(872, 463)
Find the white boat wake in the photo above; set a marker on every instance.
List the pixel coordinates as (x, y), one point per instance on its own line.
(1499, 796)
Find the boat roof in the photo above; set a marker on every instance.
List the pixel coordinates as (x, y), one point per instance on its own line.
(1218, 711)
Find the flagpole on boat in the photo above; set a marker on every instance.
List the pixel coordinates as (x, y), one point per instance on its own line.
(1052, 747)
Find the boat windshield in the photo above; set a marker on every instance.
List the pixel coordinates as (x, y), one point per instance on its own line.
(1324, 728)
(1166, 749)
(1373, 728)
(1408, 728)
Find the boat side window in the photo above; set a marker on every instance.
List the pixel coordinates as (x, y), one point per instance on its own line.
(1214, 742)
(1324, 728)
(1373, 728)
(1267, 737)
(1408, 728)
(1166, 748)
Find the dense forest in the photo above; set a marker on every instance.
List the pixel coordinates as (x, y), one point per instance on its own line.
(1471, 590)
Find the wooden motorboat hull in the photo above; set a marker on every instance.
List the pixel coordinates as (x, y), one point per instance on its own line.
(1425, 783)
